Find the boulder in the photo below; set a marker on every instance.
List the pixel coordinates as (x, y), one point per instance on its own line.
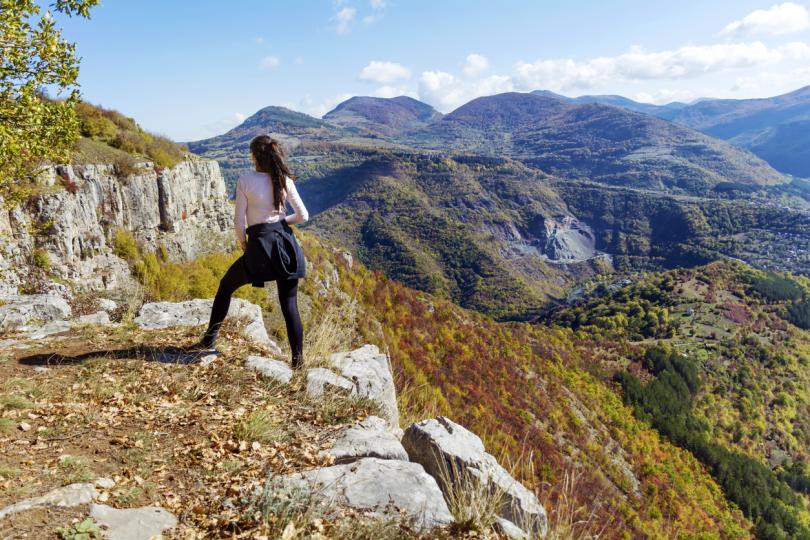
(157, 315)
(370, 371)
(449, 451)
(382, 488)
(20, 311)
(320, 381)
(274, 369)
(67, 496)
(133, 523)
(368, 438)
(510, 530)
(99, 317)
(105, 304)
(49, 329)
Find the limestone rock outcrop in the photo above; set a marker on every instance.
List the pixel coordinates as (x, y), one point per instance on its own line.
(370, 371)
(566, 239)
(368, 438)
(157, 315)
(185, 209)
(270, 368)
(66, 497)
(452, 454)
(19, 312)
(378, 487)
(133, 523)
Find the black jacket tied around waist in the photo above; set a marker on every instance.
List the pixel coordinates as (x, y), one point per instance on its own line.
(272, 253)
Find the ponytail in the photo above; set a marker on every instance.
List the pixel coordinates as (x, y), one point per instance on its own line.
(270, 159)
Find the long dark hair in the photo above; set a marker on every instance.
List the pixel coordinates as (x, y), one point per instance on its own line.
(270, 159)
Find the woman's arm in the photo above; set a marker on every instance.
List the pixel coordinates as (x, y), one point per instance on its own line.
(295, 201)
(240, 214)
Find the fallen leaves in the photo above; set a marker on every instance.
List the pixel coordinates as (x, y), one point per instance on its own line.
(164, 433)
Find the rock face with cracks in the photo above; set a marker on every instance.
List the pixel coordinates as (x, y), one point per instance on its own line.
(133, 523)
(184, 208)
(369, 438)
(370, 372)
(379, 487)
(452, 454)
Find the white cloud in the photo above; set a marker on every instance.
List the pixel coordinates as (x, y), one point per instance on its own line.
(344, 18)
(475, 65)
(316, 108)
(270, 62)
(637, 64)
(298, 60)
(239, 117)
(259, 40)
(384, 72)
(377, 7)
(446, 92)
(665, 95)
(635, 71)
(393, 91)
(771, 82)
(778, 20)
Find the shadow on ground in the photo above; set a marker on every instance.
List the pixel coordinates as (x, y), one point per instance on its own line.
(163, 355)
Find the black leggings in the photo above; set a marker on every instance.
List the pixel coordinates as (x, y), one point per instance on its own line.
(236, 277)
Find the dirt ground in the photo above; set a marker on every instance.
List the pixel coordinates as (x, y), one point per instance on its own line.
(194, 440)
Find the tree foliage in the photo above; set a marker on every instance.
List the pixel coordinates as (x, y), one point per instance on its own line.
(666, 402)
(35, 58)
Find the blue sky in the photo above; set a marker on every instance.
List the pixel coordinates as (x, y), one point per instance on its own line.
(193, 69)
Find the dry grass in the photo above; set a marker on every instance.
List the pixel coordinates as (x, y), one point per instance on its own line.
(72, 469)
(15, 402)
(172, 435)
(568, 519)
(415, 402)
(475, 505)
(262, 426)
(331, 333)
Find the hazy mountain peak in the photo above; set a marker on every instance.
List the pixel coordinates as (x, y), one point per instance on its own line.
(506, 111)
(385, 116)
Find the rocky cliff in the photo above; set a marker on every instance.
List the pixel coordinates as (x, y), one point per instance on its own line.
(69, 228)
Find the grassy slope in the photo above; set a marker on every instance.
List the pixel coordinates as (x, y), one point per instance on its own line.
(108, 136)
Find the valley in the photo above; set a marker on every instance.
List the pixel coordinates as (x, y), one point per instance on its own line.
(464, 204)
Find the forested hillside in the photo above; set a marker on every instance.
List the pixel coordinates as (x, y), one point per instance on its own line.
(716, 359)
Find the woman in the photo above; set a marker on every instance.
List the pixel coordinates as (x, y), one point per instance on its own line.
(271, 252)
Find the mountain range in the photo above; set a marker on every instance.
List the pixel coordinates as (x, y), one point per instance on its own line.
(507, 202)
(777, 129)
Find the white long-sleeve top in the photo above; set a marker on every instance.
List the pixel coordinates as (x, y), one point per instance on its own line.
(255, 204)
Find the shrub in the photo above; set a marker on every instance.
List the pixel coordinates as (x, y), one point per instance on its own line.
(41, 259)
(123, 133)
(124, 246)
